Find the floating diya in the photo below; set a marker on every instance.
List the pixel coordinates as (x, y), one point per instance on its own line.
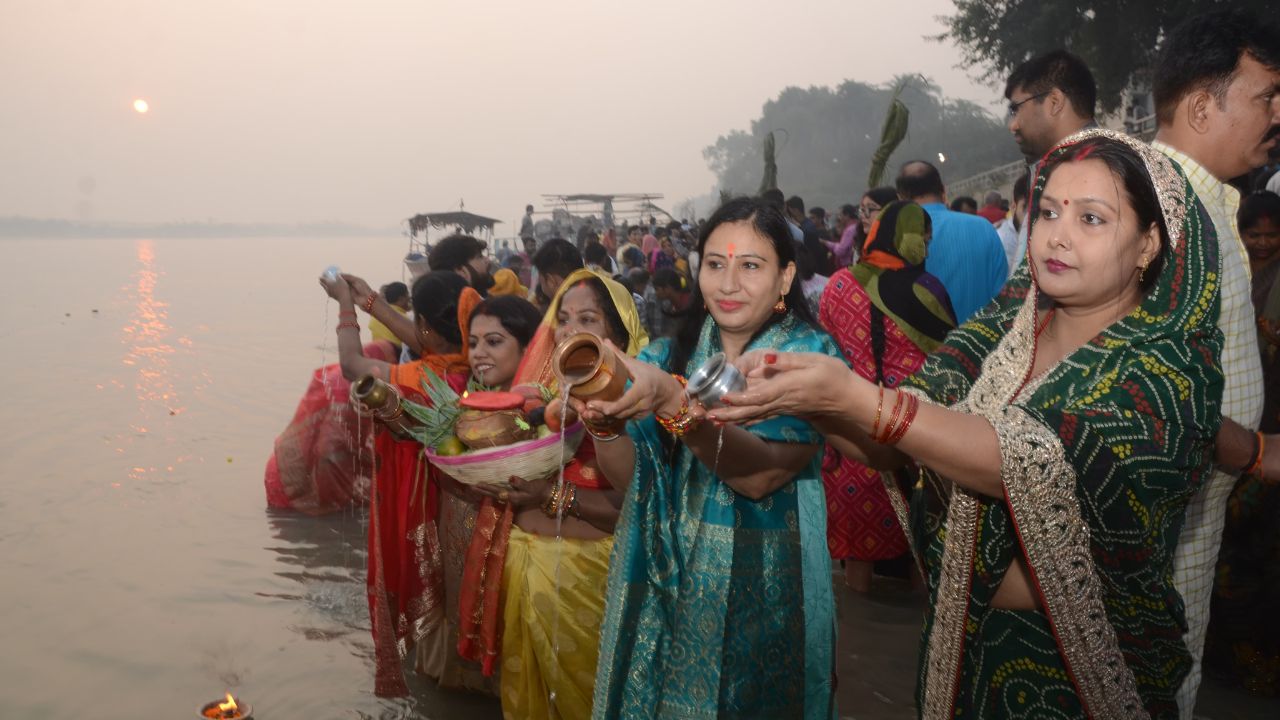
(228, 710)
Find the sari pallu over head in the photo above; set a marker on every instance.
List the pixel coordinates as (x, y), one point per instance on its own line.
(479, 604)
(1100, 455)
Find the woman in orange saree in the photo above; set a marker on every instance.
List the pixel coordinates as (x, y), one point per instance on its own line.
(405, 586)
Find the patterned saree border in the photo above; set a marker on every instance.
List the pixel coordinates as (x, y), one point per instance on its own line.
(1039, 486)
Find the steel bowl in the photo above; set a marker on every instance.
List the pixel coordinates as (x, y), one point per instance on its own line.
(716, 378)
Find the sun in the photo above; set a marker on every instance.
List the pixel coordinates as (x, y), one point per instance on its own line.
(141, 106)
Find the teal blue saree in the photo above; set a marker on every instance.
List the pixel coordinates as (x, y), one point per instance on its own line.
(719, 606)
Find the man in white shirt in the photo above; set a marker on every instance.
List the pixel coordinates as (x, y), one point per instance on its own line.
(1215, 87)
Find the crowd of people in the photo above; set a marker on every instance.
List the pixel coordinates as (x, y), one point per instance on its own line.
(1058, 412)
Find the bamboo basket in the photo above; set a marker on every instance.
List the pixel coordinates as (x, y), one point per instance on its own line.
(527, 459)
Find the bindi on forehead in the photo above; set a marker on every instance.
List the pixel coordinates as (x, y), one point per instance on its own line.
(733, 248)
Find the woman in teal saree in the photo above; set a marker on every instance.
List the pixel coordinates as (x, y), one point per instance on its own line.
(719, 598)
(1060, 433)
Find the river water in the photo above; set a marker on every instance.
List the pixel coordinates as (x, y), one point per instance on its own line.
(146, 380)
(142, 576)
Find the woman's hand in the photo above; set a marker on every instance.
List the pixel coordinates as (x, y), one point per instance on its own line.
(796, 384)
(359, 288)
(337, 289)
(555, 409)
(518, 492)
(652, 390)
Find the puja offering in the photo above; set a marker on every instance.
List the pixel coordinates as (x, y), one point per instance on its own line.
(589, 370)
(331, 273)
(229, 709)
(484, 435)
(714, 379)
(376, 398)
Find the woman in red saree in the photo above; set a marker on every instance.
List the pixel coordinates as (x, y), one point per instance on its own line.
(406, 593)
(321, 462)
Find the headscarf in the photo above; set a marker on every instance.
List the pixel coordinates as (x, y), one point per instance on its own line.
(1100, 455)
(414, 375)
(505, 282)
(891, 271)
(478, 601)
(649, 244)
(536, 366)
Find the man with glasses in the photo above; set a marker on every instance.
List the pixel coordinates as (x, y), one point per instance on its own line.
(1050, 97)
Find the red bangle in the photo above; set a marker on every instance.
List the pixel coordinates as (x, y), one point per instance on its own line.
(683, 422)
(368, 302)
(875, 426)
(893, 420)
(1261, 441)
(349, 324)
(908, 416)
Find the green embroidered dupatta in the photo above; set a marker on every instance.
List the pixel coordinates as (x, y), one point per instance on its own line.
(719, 606)
(1100, 456)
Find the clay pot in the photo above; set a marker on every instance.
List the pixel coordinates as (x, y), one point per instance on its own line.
(479, 429)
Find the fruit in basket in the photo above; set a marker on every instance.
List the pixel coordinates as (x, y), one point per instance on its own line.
(534, 397)
(451, 445)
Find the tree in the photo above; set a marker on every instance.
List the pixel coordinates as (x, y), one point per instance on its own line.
(831, 133)
(1119, 39)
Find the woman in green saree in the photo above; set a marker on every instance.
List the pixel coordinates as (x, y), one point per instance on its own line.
(1060, 433)
(719, 598)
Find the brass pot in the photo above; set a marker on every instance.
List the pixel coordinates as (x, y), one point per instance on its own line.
(589, 370)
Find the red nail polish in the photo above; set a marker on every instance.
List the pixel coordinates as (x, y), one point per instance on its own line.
(770, 358)
(726, 403)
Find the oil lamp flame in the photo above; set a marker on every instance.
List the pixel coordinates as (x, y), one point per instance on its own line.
(228, 708)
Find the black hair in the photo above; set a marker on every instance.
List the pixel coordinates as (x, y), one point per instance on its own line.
(774, 198)
(1204, 53)
(612, 317)
(766, 220)
(634, 257)
(435, 301)
(454, 252)
(1125, 164)
(667, 277)
(918, 178)
(517, 316)
(963, 200)
(851, 211)
(795, 202)
(596, 253)
(635, 228)
(1021, 187)
(1255, 207)
(1056, 69)
(805, 267)
(557, 256)
(819, 211)
(638, 275)
(881, 196)
(394, 292)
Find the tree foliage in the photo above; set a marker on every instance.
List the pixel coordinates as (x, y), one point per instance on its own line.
(826, 138)
(1119, 39)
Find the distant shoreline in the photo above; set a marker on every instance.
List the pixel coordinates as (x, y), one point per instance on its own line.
(22, 227)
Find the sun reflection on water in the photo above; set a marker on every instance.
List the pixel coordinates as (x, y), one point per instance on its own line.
(149, 351)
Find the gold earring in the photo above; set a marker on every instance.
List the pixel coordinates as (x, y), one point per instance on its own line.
(1142, 269)
(780, 306)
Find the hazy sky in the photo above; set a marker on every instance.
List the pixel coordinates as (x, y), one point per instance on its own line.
(368, 112)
